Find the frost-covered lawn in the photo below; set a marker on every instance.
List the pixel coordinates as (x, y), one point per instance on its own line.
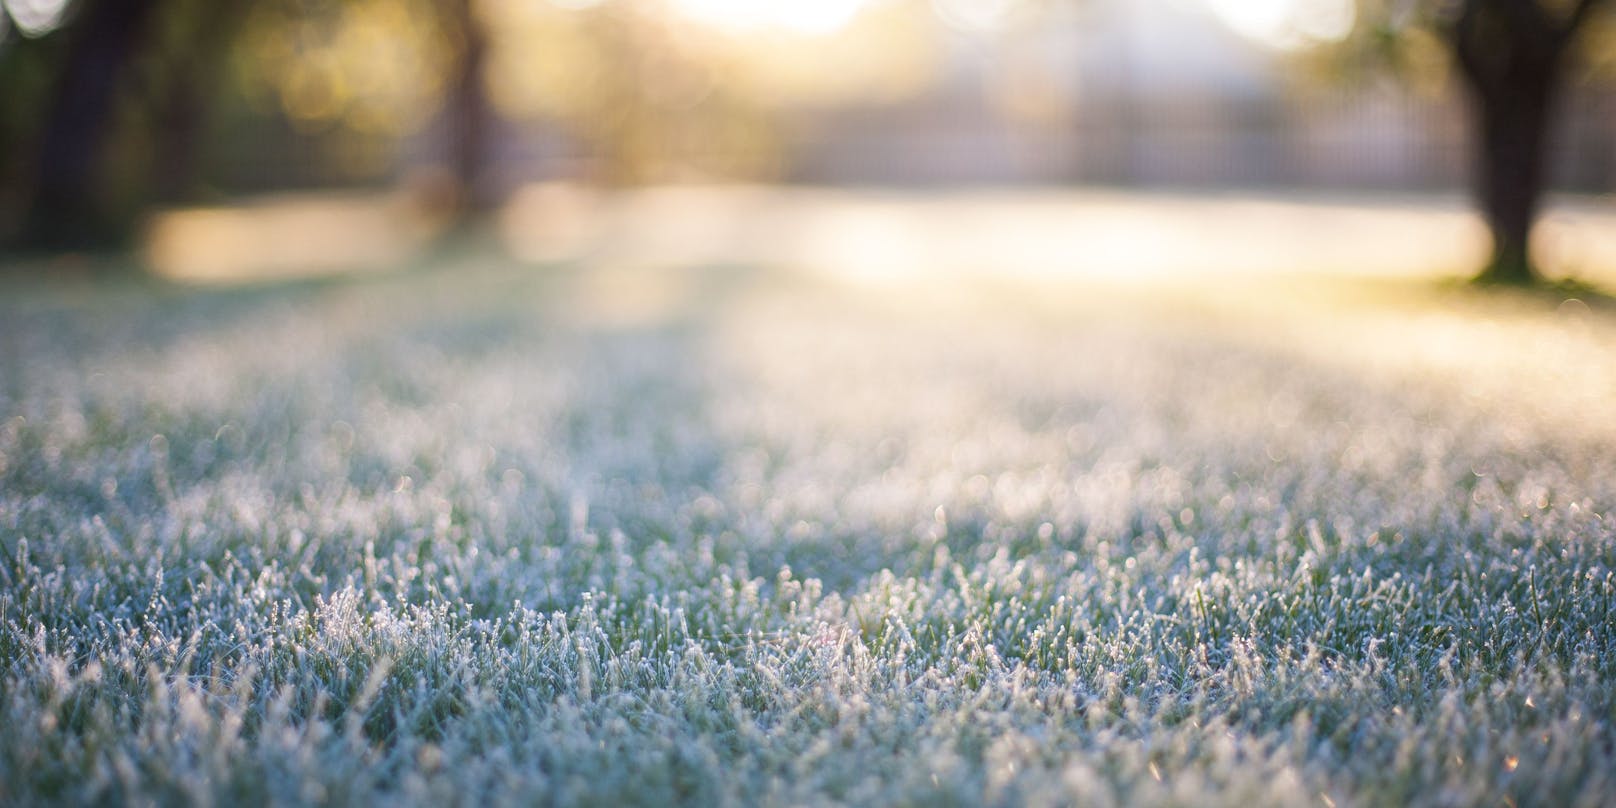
(487, 534)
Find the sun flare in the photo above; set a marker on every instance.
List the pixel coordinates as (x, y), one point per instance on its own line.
(1287, 24)
(809, 17)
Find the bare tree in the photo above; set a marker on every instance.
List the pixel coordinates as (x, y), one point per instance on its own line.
(1513, 55)
(1514, 59)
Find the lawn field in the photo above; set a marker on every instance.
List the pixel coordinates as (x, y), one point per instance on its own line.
(587, 532)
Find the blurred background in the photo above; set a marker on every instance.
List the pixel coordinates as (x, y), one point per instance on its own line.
(221, 137)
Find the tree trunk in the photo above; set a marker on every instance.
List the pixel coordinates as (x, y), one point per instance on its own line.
(189, 91)
(67, 208)
(468, 111)
(181, 117)
(1511, 55)
(1514, 117)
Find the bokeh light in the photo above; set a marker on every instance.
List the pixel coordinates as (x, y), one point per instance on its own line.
(974, 16)
(1288, 24)
(798, 16)
(34, 17)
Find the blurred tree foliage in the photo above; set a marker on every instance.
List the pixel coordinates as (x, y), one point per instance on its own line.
(651, 104)
(120, 104)
(116, 105)
(72, 91)
(659, 97)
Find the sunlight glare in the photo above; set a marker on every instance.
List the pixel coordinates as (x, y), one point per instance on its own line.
(1287, 24)
(970, 16)
(810, 17)
(35, 17)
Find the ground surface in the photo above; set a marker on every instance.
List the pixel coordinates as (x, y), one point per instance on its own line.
(604, 531)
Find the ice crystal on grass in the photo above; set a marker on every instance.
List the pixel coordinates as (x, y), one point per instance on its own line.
(438, 539)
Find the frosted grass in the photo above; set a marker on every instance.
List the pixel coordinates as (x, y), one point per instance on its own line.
(456, 538)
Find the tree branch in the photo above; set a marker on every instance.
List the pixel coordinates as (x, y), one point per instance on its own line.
(1579, 15)
(1461, 35)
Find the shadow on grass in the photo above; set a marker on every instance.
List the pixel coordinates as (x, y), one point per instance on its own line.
(1560, 294)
